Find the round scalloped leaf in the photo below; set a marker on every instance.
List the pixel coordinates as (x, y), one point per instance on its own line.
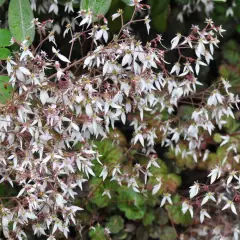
(4, 53)
(20, 16)
(97, 233)
(5, 37)
(5, 89)
(99, 7)
(131, 203)
(115, 224)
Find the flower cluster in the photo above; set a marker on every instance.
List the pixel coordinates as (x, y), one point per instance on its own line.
(50, 114)
(207, 6)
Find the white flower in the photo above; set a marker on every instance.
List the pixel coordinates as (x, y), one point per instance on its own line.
(237, 158)
(203, 214)
(60, 56)
(220, 30)
(102, 33)
(187, 68)
(59, 200)
(232, 175)
(127, 59)
(194, 190)
(69, 7)
(176, 68)
(116, 15)
(26, 52)
(175, 40)
(186, 207)
(215, 98)
(236, 232)
(153, 162)
(225, 140)
(24, 70)
(208, 56)
(226, 84)
(208, 196)
(180, 17)
(147, 21)
(231, 205)
(53, 8)
(44, 97)
(197, 66)
(215, 173)
(10, 62)
(87, 17)
(166, 197)
(200, 49)
(157, 187)
(139, 137)
(107, 193)
(187, 40)
(104, 173)
(229, 12)
(38, 229)
(80, 181)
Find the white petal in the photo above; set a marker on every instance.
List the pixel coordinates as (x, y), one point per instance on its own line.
(63, 58)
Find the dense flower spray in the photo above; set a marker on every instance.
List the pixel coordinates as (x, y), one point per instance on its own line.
(50, 114)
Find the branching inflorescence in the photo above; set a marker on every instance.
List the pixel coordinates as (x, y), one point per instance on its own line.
(50, 113)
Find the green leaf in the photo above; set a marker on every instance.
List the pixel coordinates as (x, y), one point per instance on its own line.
(174, 180)
(131, 203)
(142, 233)
(99, 7)
(158, 6)
(97, 233)
(149, 217)
(161, 216)
(5, 37)
(98, 187)
(175, 212)
(115, 224)
(110, 154)
(185, 112)
(2, 2)
(159, 21)
(126, 1)
(238, 28)
(5, 89)
(20, 16)
(168, 233)
(4, 53)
